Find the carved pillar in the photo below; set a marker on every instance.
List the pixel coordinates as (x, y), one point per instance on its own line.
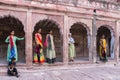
(117, 42)
(94, 33)
(65, 40)
(89, 46)
(28, 39)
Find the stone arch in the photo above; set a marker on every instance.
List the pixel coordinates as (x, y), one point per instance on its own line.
(59, 27)
(81, 34)
(109, 33)
(39, 17)
(17, 14)
(109, 27)
(46, 25)
(84, 25)
(8, 23)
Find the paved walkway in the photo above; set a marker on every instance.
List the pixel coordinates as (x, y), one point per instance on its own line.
(78, 72)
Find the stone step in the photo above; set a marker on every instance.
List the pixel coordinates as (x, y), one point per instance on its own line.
(52, 67)
(38, 67)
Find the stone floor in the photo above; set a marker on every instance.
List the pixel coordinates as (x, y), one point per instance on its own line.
(72, 72)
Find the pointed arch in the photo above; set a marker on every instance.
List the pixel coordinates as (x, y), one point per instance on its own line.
(109, 33)
(46, 25)
(7, 24)
(81, 35)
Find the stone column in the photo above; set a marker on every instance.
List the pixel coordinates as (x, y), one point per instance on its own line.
(117, 41)
(89, 46)
(65, 40)
(94, 33)
(28, 40)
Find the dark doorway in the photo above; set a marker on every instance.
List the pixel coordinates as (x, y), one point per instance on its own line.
(104, 30)
(47, 25)
(79, 33)
(8, 23)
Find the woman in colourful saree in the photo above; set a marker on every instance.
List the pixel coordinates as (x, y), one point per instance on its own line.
(71, 48)
(12, 48)
(51, 55)
(103, 49)
(38, 56)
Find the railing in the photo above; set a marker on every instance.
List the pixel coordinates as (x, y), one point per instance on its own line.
(92, 3)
